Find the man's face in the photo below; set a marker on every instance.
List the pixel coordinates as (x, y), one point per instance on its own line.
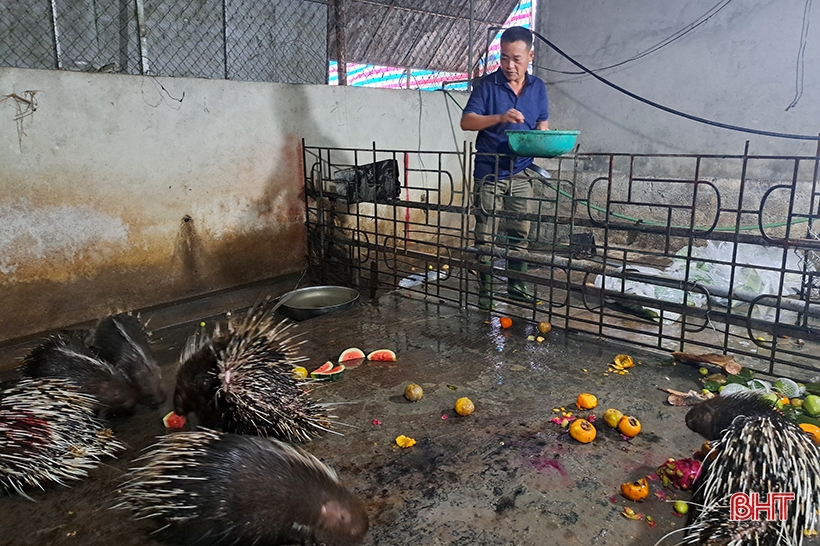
(515, 58)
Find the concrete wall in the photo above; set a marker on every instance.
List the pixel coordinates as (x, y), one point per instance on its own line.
(120, 192)
(740, 68)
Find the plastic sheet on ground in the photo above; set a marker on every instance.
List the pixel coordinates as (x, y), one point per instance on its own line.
(710, 267)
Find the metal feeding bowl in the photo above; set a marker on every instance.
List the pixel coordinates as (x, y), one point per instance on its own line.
(542, 143)
(313, 301)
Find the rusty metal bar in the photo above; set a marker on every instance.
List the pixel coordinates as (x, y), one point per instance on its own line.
(341, 40)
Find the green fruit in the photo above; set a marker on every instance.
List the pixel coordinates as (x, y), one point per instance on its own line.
(681, 507)
(811, 405)
(612, 417)
(773, 399)
(712, 386)
(703, 371)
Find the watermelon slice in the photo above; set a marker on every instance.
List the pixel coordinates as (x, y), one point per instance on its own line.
(382, 355)
(173, 420)
(324, 368)
(351, 354)
(327, 372)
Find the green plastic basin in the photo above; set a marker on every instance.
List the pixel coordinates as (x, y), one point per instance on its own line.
(542, 143)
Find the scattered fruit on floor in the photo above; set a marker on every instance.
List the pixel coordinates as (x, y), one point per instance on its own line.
(382, 355)
(622, 362)
(635, 491)
(173, 420)
(811, 430)
(351, 354)
(582, 430)
(405, 441)
(629, 426)
(811, 405)
(328, 372)
(612, 417)
(464, 406)
(586, 401)
(413, 392)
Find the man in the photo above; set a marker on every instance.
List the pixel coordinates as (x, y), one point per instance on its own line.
(507, 99)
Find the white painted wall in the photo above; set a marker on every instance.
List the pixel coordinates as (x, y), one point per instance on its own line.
(97, 183)
(739, 68)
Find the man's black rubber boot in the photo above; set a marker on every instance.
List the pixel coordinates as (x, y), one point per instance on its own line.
(485, 292)
(516, 288)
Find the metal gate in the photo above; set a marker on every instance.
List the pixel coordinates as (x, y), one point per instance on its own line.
(694, 253)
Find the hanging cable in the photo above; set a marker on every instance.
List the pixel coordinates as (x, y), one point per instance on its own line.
(672, 110)
(804, 32)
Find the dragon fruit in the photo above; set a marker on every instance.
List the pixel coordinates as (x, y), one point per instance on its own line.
(681, 473)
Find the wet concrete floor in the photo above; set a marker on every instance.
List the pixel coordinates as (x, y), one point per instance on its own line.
(505, 475)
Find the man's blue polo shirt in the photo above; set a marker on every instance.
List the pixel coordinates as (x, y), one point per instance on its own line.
(493, 95)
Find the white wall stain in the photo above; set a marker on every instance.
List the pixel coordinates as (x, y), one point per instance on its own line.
(29, 232)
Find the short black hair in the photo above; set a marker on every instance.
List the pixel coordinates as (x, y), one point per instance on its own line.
(517, 34)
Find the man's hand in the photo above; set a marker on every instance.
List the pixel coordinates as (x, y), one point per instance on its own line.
(476, 122)
(512, 116)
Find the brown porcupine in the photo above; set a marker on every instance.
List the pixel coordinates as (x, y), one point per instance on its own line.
(208, 488)
(758, 451)
(241, 381)
(49, 433)
(123, 341)
(67, 355)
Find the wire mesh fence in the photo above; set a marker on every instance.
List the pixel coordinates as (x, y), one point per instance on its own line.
(282, 41)
(381, 43)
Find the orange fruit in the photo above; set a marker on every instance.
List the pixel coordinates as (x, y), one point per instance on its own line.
(586, 401)
(464, 406)
(506, 322)
(582, 430)
(629, 426)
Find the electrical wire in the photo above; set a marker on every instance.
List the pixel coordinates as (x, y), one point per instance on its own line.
(660, 45)
(672, 110)
(804, 33)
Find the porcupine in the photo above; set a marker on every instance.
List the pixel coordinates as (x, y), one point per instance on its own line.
(49, 433)
(758, 451)
(241, 381)
(123, 341)
(68, 355)
(205, 487)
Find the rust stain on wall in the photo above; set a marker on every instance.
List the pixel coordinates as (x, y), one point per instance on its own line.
(135, 278)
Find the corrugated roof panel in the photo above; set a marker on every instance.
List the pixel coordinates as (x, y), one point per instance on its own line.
(428, 34)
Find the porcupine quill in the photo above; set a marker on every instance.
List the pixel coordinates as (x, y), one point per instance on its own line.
(241, 380)
(67, 355)
(759, 451)
(123, 341)
(205, 487)
(49, 433)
